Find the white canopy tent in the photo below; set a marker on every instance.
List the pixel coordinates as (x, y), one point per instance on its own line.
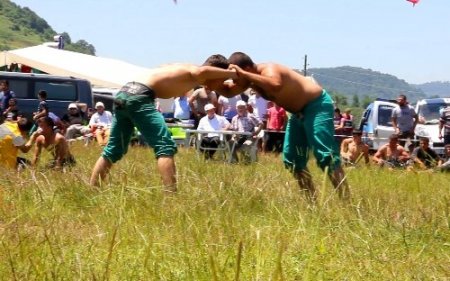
(101, 72)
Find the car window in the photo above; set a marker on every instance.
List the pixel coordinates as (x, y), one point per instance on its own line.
(384, 115)
(430, 111)
(66, 91)
(19, 87)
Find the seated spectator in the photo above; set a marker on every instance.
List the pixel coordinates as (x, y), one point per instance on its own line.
(100, 123)
(276, 123)
(75, 121)
(211, 122)
(12, 139)
(12, 112)
(54, 142)
(444, 165)
(244, 122)
(353, 149)
(392, 154)
(181, 108)
(423, 156)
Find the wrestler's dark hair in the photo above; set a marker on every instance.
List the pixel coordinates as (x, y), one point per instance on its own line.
(217, 61)
(24, 124)
(241, 59)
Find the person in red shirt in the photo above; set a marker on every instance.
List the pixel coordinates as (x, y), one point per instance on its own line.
(276, 122)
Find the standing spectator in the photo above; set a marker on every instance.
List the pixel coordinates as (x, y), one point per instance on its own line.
(181, 108)
(42, 110)
(423, 156)
(197, 101)
(404, 121)
(259, 106)
(276, 123)
(5, 95)
(100, 123)
(444, 123)
(74, 121)
(338, 132)
(227, 106)
(245, 122)
(212, 122)
(347, 122)
(12, 112)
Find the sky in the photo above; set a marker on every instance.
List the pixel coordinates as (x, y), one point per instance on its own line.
(388, 36)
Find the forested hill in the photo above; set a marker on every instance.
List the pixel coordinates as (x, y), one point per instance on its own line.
(436, 89)
(351, 81)
(21, 27)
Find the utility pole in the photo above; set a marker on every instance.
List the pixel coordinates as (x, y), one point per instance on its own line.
(305, 64)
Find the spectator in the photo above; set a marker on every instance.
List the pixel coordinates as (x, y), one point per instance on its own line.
(227, 106)
(444, 123)
(74, 121)
(100, 123)
(12, 139)
(338, 132)
(197, 101)
(259, 106)
(404, 120)
(42, 111)
(245, 122)
(444, 165)
(276, 123)
(347, 122)
(54, 142)
(5, 95)
(12, 112)
(392, 154)
(353, 149)
(211, 122)
(181, 108)
(424, 157)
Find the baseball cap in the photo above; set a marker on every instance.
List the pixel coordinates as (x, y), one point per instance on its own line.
(73, 105)
(241, 103)
(99, 104)
(209, 106)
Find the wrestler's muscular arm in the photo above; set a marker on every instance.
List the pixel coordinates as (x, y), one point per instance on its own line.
(269, 80)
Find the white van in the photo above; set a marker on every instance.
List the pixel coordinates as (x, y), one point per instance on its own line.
(429, 111)
(376, 123)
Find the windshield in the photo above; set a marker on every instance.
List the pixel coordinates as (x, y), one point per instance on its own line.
(430, 111)
(384, 115)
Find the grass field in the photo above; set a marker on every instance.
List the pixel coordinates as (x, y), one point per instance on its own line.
(227, 222)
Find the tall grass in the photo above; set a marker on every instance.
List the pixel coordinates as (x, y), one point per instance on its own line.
(227, 222)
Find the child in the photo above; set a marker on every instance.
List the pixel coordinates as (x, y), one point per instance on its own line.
(42, 109)
(12, 111)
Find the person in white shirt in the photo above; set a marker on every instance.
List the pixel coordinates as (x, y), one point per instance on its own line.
(100, 123)
(212, 122)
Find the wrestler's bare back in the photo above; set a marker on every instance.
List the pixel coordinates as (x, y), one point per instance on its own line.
(175, 80)
(296, 90)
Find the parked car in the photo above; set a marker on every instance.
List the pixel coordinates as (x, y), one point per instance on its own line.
(61, 91)
(428, 111)
(376, 123)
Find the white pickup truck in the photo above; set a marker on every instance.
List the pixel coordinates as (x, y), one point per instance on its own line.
(428, 111)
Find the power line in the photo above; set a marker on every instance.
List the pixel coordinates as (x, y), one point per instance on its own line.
(365, 84)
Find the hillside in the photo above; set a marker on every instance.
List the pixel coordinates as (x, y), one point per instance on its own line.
(21, 27)
(436, 89)
(351, 81)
